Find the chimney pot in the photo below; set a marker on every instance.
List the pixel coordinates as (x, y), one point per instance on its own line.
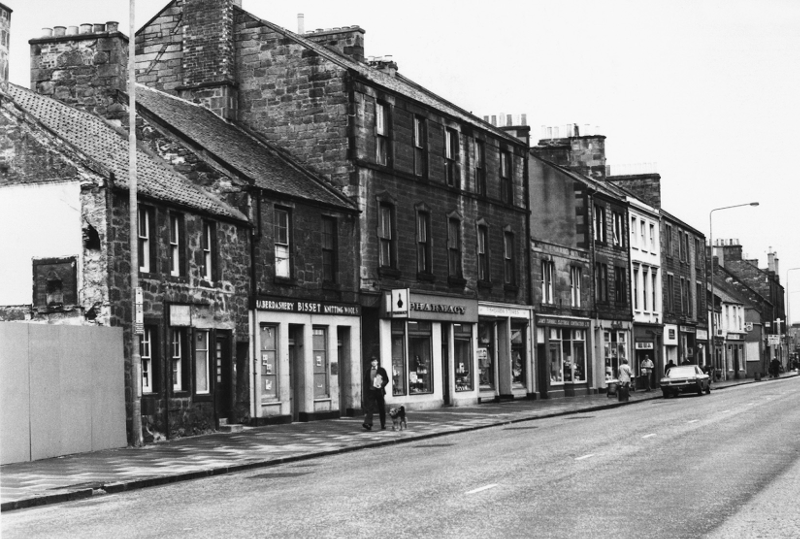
(112, 26)
(301, 23)
(47, 32)
(59, 31)
(72, 30)
(86, 28)
(99, 28)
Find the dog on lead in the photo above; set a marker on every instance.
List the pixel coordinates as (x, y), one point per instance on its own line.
(398, 416)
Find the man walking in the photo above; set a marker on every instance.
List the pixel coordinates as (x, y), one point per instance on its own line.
(375, 381)
(646, 368)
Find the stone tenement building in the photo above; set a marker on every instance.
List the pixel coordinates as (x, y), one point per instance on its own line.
(5, 35)
(441, 194)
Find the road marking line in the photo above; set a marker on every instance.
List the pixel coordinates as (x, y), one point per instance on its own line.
(694, 421)
(648, 435)
(723, 411)
(585, 456)
(481, 489)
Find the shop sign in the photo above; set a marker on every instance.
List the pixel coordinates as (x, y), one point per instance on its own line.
(511, 312)
(671, 335)
(735, 337)
(180, 316)
(773, 340)
(397, 302)
(748, 326)
(702, 334)
(644, 345)
(561, 322)
(307, 307)
(688, 329)
(402, 304)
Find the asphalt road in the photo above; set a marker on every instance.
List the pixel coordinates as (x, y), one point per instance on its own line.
(722, 465)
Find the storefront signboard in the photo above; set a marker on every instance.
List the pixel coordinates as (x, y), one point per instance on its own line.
(639, 345)
(180, 316)
(562, 322)
(735, 337)
(495, 310)
(670, 335)
(773, 340)
(688, 329)
(430, 307)
(702, 334)
(307, 307)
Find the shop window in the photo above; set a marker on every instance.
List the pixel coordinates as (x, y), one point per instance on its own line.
(519, 339)
(420, 147)
(282, 230)
(202, 384)
(178, 359)
(382, 134)
(399, 358)
(269, 362)
(567, 355)
(147, 349)
(321, 378)
(329, 261)
(480, 168)
(420, 374)
(486, 355)
(462, 354)
(615, 350)
(575, 278)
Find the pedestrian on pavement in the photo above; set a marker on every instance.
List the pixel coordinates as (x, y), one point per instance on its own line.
(774, 367)
(375, 381)
(669, 366)
(647, 368)
(624, 377)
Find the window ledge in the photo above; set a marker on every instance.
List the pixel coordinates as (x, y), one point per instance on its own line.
(427, 277)
(392, 273)
(485, 284)
(456, 281)
(511, 288)
(329, 285)
(286, 281)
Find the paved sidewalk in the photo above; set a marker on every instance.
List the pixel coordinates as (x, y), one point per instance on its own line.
(111, 471)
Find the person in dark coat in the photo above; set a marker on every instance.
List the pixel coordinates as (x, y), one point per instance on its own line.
(375, 380)
(774, 367)
(669, 366)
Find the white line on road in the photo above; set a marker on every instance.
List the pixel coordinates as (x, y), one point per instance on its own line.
(648, 435)
(487, 487)
(585, 456)
(694, 421)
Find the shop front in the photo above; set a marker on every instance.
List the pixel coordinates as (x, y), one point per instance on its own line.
(428, 346)
(701, 341)
(563, 352)
(647, 345)
(688, 344)
(670, 346)
(734, 355)
(306, 361)
(613, 342)
(504, 351)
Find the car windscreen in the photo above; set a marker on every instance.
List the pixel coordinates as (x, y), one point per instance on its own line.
(681, 372)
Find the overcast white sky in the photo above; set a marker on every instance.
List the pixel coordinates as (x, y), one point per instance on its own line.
(706, 89)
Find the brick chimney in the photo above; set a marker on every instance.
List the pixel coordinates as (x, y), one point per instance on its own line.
(584, 154)
(5, 37)
(727, 251)
(347, 41)
(209, 67)
(81, 66)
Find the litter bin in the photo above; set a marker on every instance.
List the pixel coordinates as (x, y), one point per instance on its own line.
(612, 388)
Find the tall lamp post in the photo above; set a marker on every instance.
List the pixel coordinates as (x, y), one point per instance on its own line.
(712, 345)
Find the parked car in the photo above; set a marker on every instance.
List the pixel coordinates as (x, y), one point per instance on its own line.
(684, 379)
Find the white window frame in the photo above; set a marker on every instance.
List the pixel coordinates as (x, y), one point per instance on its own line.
(548, 292)
(146, 353)
(175, 244)
(144, 239)
(204, 368)
(283, 233)
(381, 134)
(177, 359)
(207, 246)
(575, 276)
(386, 235)
(635, 282)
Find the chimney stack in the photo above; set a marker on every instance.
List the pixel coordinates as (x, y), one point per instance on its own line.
(347, 40)
(301, 24)
(5, 37)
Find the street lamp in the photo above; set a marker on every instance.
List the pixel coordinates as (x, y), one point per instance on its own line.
(712, 346)
(789, 311)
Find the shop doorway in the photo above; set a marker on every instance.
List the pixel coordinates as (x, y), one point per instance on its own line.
(446, 396)
(222, 375)
(296, 370)
(343, 366)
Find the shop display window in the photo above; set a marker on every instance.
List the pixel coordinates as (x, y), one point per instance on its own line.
(615, 350)
(567, 355)
(420, 371)
(269, 366)
(518, 354)
(321, 380)
(486, 355)
(399, 358)
(462, 354)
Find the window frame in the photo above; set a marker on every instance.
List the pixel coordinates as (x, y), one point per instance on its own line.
(509, 258)
(420, 146)
(208, 246)
(620, 285)
(575, 277)
(178, 359)
(386, 236)
(329, 248)
(382, 134)
(601, 282)
(322, 381)
(548, 286)
(196, 364)
(506, 173)
(455, 268)
(148, 348)
(176, 243)
(482, 253)
(600, 233)
(146, 243)
(480, 167)
(618, 229)
(452, 147)
(668, 240)
(423, 242)
(282, 241)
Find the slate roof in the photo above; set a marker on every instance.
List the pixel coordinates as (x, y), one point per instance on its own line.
(107, 146)
(268, 168)
(398, 83)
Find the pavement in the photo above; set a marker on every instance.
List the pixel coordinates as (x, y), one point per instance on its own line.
(111, 471)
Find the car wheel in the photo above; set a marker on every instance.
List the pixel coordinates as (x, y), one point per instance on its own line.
(666, 394)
